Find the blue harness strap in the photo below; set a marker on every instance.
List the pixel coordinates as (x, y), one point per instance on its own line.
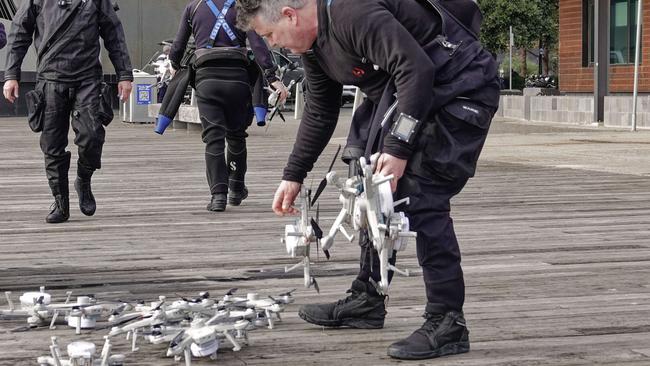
(221, 22)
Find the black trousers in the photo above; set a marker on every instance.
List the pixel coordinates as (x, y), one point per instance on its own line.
(444, 159)
(223, 94)
(70, 104)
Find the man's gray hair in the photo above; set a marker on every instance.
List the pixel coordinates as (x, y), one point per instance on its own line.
(269, 10)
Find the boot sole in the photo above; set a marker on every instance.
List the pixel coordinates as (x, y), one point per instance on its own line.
(56, 222)
(446, 350)
(350, 322)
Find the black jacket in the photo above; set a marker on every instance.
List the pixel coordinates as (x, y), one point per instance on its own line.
(75, 56)
(376, 44)
(3, 36)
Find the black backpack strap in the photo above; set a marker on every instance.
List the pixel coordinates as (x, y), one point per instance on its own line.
(467, 14)
(196, 7)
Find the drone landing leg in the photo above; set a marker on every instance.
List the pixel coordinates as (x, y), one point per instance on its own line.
(188, 356)
(236, 346)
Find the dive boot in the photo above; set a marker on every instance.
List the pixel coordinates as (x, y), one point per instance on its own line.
(87, 203)
(443, 333)
(235, 197)
(364, 308)
(218, 202)
(60, 210)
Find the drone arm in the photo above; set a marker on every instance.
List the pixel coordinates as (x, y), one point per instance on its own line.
(106, 351)
(187, 353)
(11, 303)
(134, 340)
(328, 240)
(269, 317)
(54, 350)
(306, 272)
(343, 231)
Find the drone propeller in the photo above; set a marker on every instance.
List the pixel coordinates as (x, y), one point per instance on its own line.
(313, 280)
(288, 293)
(25, 328)
(232, 291)
(160, 304)
(323, 183)
(319, 232)
(177, 339)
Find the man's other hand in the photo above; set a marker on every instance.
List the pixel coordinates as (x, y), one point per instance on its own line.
(282, 91)
(389, 164)
(285, 197)
(10, 90)
(124, 90)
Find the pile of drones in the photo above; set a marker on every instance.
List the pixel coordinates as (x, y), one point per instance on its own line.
(367, 205)
(192, 327)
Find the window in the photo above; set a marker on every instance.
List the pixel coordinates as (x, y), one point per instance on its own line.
(622, 31)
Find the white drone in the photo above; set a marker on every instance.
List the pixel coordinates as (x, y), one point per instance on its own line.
(32, 305)
(368, 205)
(202, 338)
(299, 236)
(82, 314)
(264, 308)
(81, 354)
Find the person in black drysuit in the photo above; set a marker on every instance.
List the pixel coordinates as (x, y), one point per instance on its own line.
(69, 78)
(223, 92)
(426, 56)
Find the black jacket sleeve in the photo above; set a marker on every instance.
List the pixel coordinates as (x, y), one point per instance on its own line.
(3, 36)
(111, 31)
(263, 55)
(20, 38)
(385, 42)
(182, 36)
(318, 122)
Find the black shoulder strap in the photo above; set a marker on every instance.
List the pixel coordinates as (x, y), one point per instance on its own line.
(464, 12)
(196, 7)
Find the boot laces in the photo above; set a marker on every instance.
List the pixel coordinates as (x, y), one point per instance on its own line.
(353, 295)
(432, 321)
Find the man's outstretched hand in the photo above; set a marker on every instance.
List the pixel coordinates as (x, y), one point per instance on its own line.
(284, 198)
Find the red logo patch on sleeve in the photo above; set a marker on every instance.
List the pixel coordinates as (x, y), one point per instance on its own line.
(358, 72)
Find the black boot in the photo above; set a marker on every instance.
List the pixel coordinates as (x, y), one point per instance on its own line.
(235, 197)
(364, 308)
(218, 202)
(87, 203)
(443, 333)
(60, 210)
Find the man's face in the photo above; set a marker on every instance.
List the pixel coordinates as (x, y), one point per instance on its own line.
(289, 32)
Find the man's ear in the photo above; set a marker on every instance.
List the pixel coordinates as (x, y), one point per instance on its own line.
(290, 13)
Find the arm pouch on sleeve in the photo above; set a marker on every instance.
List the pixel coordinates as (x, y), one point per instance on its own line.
(105, 112)
(35, 101)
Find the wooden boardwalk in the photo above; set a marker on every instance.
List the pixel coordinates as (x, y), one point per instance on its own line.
(557, 260)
